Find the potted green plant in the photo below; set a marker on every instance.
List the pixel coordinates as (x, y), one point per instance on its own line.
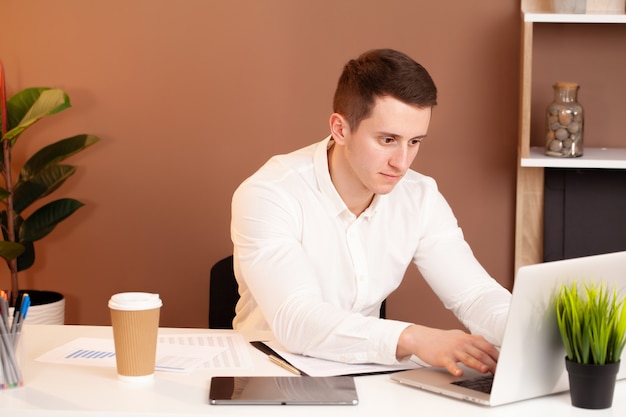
(22, 223)
(592, 322)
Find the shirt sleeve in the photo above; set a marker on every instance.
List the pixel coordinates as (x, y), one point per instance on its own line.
(449, 266)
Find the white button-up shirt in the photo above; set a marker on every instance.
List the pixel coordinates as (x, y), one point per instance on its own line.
(315, 274)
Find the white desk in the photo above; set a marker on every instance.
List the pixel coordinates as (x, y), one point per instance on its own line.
(68, 390)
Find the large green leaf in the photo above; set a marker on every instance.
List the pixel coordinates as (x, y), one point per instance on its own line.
(55, 153)
(45, 219)
(27, 193)
(17, 223)
(10, 250)
(27, 259)
(30, 105)
(4, 193)
(40, 185)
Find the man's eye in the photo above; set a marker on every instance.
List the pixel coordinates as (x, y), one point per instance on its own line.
(387, 140)
(416, 141)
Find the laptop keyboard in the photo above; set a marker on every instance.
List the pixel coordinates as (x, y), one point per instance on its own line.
(480, 383)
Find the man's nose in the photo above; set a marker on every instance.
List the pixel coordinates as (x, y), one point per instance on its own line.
(402, 158)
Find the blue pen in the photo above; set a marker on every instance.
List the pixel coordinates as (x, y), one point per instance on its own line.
(17, 329)
(25, 305)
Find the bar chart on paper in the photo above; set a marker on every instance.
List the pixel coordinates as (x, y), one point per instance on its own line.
(83, 351)
(90, 354)
(175, 353)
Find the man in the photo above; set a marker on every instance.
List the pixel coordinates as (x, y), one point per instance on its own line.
(324, 234)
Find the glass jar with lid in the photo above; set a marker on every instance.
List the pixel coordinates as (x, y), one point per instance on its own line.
(565, 122)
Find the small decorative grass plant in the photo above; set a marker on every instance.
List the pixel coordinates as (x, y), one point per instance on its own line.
(592, 321)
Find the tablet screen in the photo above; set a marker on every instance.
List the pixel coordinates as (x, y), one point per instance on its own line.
(283, 390)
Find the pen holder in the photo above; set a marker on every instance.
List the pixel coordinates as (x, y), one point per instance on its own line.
(11, 357)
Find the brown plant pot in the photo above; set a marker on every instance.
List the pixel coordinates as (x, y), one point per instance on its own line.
(591, 386)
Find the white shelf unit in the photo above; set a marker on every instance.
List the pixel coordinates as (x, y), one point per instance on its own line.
(544, 17)
(532, 160)
(606, 158)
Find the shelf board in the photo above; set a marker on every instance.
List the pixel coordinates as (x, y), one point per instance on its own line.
(608, 158)
(542, 17)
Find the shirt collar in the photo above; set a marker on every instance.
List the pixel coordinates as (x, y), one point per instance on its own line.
(327, 187)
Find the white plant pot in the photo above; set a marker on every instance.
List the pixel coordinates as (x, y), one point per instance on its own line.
(48, 313)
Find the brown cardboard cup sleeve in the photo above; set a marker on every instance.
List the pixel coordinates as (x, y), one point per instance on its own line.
(135, 323)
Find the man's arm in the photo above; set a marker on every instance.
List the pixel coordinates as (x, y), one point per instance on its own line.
(446, 348)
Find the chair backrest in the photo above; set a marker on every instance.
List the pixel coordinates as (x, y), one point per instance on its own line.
(223, 294)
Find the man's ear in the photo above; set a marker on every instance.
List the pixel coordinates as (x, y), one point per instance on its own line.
(339, 127)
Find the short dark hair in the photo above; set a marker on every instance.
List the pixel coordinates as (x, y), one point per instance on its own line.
(379, 73)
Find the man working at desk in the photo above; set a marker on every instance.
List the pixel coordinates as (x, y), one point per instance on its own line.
(324, 234)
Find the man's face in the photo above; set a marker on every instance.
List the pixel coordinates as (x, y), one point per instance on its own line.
(385, 144)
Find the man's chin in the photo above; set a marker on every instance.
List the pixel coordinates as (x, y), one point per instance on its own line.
(384, 190)
(385, 186)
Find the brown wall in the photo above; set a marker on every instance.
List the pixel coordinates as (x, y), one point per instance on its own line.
(190, 97)
(593, 55)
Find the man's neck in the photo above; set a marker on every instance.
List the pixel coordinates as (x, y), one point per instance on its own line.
(355, 196)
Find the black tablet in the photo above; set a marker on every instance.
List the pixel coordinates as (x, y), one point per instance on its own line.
(283, 390)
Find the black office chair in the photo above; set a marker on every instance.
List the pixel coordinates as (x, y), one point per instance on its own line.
(383, 309)
(224, 294)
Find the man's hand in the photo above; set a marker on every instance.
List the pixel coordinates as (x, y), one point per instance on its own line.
(446, 348)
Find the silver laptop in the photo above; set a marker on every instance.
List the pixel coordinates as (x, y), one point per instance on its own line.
(532, 357)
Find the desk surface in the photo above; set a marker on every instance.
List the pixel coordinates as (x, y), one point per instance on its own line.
(66, 390)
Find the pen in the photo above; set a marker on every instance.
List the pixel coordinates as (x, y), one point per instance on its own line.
(5, 369)
(21, 316)
(4, 306)
(284, 365)
(12, 373)
(16, 312)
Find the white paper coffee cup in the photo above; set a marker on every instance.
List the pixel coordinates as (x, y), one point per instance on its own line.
(135, 322)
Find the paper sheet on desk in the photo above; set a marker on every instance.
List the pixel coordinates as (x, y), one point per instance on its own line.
(322, 367)
(182, 353)
(231, 350)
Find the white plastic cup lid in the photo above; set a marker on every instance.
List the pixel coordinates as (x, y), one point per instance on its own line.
(135, 301)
